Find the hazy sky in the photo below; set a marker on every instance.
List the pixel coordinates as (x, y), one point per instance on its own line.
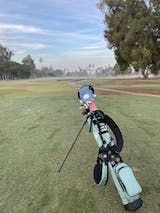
(65, 33)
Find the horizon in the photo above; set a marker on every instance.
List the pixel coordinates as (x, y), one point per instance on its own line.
(65, 33)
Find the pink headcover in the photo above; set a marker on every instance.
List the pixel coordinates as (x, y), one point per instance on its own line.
(92, 106)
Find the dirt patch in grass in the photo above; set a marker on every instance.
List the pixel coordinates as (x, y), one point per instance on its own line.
(109, 92)
(126, 92)
(126, 81)
(141, 90)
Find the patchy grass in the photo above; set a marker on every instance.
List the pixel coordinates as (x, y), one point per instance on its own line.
(38, 123)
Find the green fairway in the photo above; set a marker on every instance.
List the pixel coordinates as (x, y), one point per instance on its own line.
(38, 123)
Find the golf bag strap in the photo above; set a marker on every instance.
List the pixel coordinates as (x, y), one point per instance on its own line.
(116, 131)
(113, 126)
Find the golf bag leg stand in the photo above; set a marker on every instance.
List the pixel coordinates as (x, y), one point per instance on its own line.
(101, 172)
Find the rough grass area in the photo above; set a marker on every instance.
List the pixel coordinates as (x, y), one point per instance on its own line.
(38, 123)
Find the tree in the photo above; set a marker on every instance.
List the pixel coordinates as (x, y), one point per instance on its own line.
(132, 31)
(5, 54)
(41, 61)
(44, 71)
(30, 63)
(57, 73)
(13, 70)
(155, 30)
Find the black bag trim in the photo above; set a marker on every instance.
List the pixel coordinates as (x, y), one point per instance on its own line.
(97, 172)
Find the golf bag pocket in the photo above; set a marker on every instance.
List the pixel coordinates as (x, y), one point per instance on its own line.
(100, 173)
(127, 180)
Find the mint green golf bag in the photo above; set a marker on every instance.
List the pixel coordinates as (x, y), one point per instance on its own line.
(110, 143)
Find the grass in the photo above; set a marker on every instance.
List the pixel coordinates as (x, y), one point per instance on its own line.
(38, 123)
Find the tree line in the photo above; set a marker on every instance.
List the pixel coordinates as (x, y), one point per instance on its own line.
(132, 30)
(13, 70)
(88, 71)
(10, 70)
(27, 69)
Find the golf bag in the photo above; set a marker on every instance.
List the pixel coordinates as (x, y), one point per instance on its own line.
(110, 143)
